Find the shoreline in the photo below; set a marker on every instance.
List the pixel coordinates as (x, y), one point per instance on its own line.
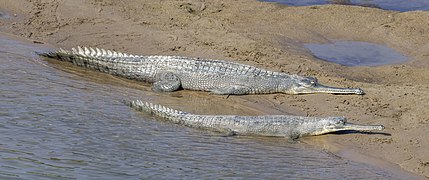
(351, 153)
(269, 36)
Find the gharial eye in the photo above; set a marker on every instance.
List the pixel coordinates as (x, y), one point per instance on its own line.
(314, 80)
(311, 80)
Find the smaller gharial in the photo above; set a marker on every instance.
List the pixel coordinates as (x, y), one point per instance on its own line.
(287, 126)
(171, 73)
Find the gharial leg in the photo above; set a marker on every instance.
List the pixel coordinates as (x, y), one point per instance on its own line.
(166, 82)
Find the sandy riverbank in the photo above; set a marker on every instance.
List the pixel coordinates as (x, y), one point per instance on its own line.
(269, 36)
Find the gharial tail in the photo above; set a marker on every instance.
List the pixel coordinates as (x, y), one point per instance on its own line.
(85, 52)
(158, 110)
(107, 61)
(60, 54)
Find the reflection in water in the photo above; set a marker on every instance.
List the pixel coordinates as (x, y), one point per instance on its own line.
(354, 53)
(62, 125)
(397, 5)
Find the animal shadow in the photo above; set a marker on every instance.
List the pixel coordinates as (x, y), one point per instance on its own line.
(360, 132)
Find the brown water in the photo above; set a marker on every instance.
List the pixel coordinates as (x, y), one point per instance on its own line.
(64, 122)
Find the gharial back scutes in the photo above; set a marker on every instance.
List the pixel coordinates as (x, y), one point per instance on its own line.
(116, 56)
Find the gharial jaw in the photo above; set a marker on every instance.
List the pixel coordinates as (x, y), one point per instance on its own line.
(340, 124)
(321, 89)
(310, 85)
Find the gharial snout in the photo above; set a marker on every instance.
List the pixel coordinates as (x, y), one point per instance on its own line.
(318, 88)
(356, 127)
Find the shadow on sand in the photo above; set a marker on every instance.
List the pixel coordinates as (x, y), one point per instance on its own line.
(360, 132)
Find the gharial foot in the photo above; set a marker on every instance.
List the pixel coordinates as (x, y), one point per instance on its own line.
(166, 82)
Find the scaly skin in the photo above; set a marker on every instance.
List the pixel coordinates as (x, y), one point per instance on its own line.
(170, 73)
(270, 125)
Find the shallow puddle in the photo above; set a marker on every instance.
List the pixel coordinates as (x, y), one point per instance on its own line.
(5, 15)
(397, 5)
(64, 122)
(354, 53)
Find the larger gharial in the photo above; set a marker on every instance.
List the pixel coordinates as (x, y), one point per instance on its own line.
(170, 73)
(269, 125)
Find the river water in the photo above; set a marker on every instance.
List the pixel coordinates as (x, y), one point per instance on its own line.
(356, 53)
(396, 5)
(58, 121)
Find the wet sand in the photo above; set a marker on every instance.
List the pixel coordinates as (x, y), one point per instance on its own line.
(269, 36)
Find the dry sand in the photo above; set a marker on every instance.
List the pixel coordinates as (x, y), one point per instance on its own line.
(269, 36)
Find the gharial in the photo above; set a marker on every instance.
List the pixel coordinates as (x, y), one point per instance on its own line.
(170, 73)
(270, 125)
